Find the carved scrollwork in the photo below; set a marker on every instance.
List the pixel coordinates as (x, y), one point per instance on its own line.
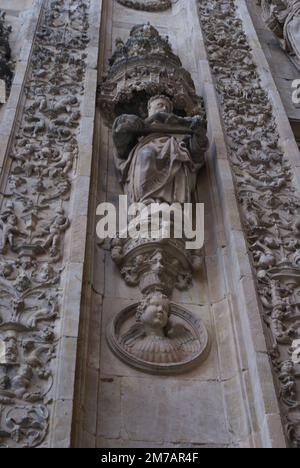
(34, 218)
(269, 200)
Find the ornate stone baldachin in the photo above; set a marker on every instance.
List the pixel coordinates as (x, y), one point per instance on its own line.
(142, 67)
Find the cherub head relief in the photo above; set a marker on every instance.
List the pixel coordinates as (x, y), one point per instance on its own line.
(155, 338)
(154, 313)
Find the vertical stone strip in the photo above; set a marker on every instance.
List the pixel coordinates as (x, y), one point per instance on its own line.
(264, 165)
(45, 187)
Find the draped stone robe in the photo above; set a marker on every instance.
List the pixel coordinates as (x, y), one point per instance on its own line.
(158, 167)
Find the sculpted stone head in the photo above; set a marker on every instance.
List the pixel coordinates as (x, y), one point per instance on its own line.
(154, 311)
(160, 104)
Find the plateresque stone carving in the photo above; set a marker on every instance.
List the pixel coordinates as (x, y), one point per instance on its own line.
(158, 158)
(283, 18)
(147, 5)
(158, 337)
(143, 67)
(269, 201)
(5, 58)
(33, 222)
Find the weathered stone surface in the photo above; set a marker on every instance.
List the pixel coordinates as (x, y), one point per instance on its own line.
(167, 420)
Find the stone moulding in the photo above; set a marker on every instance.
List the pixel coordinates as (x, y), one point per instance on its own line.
(270, 204)
(192, 333)
(35, 215)
(147, 5)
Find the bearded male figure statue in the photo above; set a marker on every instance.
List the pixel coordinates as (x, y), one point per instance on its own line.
(158, 158)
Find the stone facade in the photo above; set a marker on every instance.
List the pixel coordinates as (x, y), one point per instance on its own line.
(164, 101)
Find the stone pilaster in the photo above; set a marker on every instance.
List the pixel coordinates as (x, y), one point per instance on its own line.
(46, 153)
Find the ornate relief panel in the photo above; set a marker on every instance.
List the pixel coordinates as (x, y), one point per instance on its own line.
(34, 219)
(147, 5)
(269, 201)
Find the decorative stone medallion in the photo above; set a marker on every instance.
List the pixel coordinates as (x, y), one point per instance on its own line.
(147, 5)
(158, 337)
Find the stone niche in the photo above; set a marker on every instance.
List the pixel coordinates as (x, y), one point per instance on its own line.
(159, 144)
(128, 395)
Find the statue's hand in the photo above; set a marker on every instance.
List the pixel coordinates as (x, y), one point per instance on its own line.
(196, 122)
(127, 123)
(159, 117)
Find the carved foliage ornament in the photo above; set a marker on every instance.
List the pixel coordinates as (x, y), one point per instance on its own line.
(34, 219)
(147, 5)
(270, 204)
(143, 67)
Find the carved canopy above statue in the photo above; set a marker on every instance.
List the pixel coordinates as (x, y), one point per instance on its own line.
(142, 67)
(147, 5)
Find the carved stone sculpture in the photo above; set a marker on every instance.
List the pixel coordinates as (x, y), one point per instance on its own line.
(167, 153)
(158, 337)
(158, 155)
(162, 264)
(143, 67)
(6, 73)
(283, 18)
(147, 5)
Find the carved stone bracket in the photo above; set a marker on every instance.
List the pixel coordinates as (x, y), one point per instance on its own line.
(147, 5)
(142, 67)
(269, 201)
(34, 218)
(6, 73)
(160, 265)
